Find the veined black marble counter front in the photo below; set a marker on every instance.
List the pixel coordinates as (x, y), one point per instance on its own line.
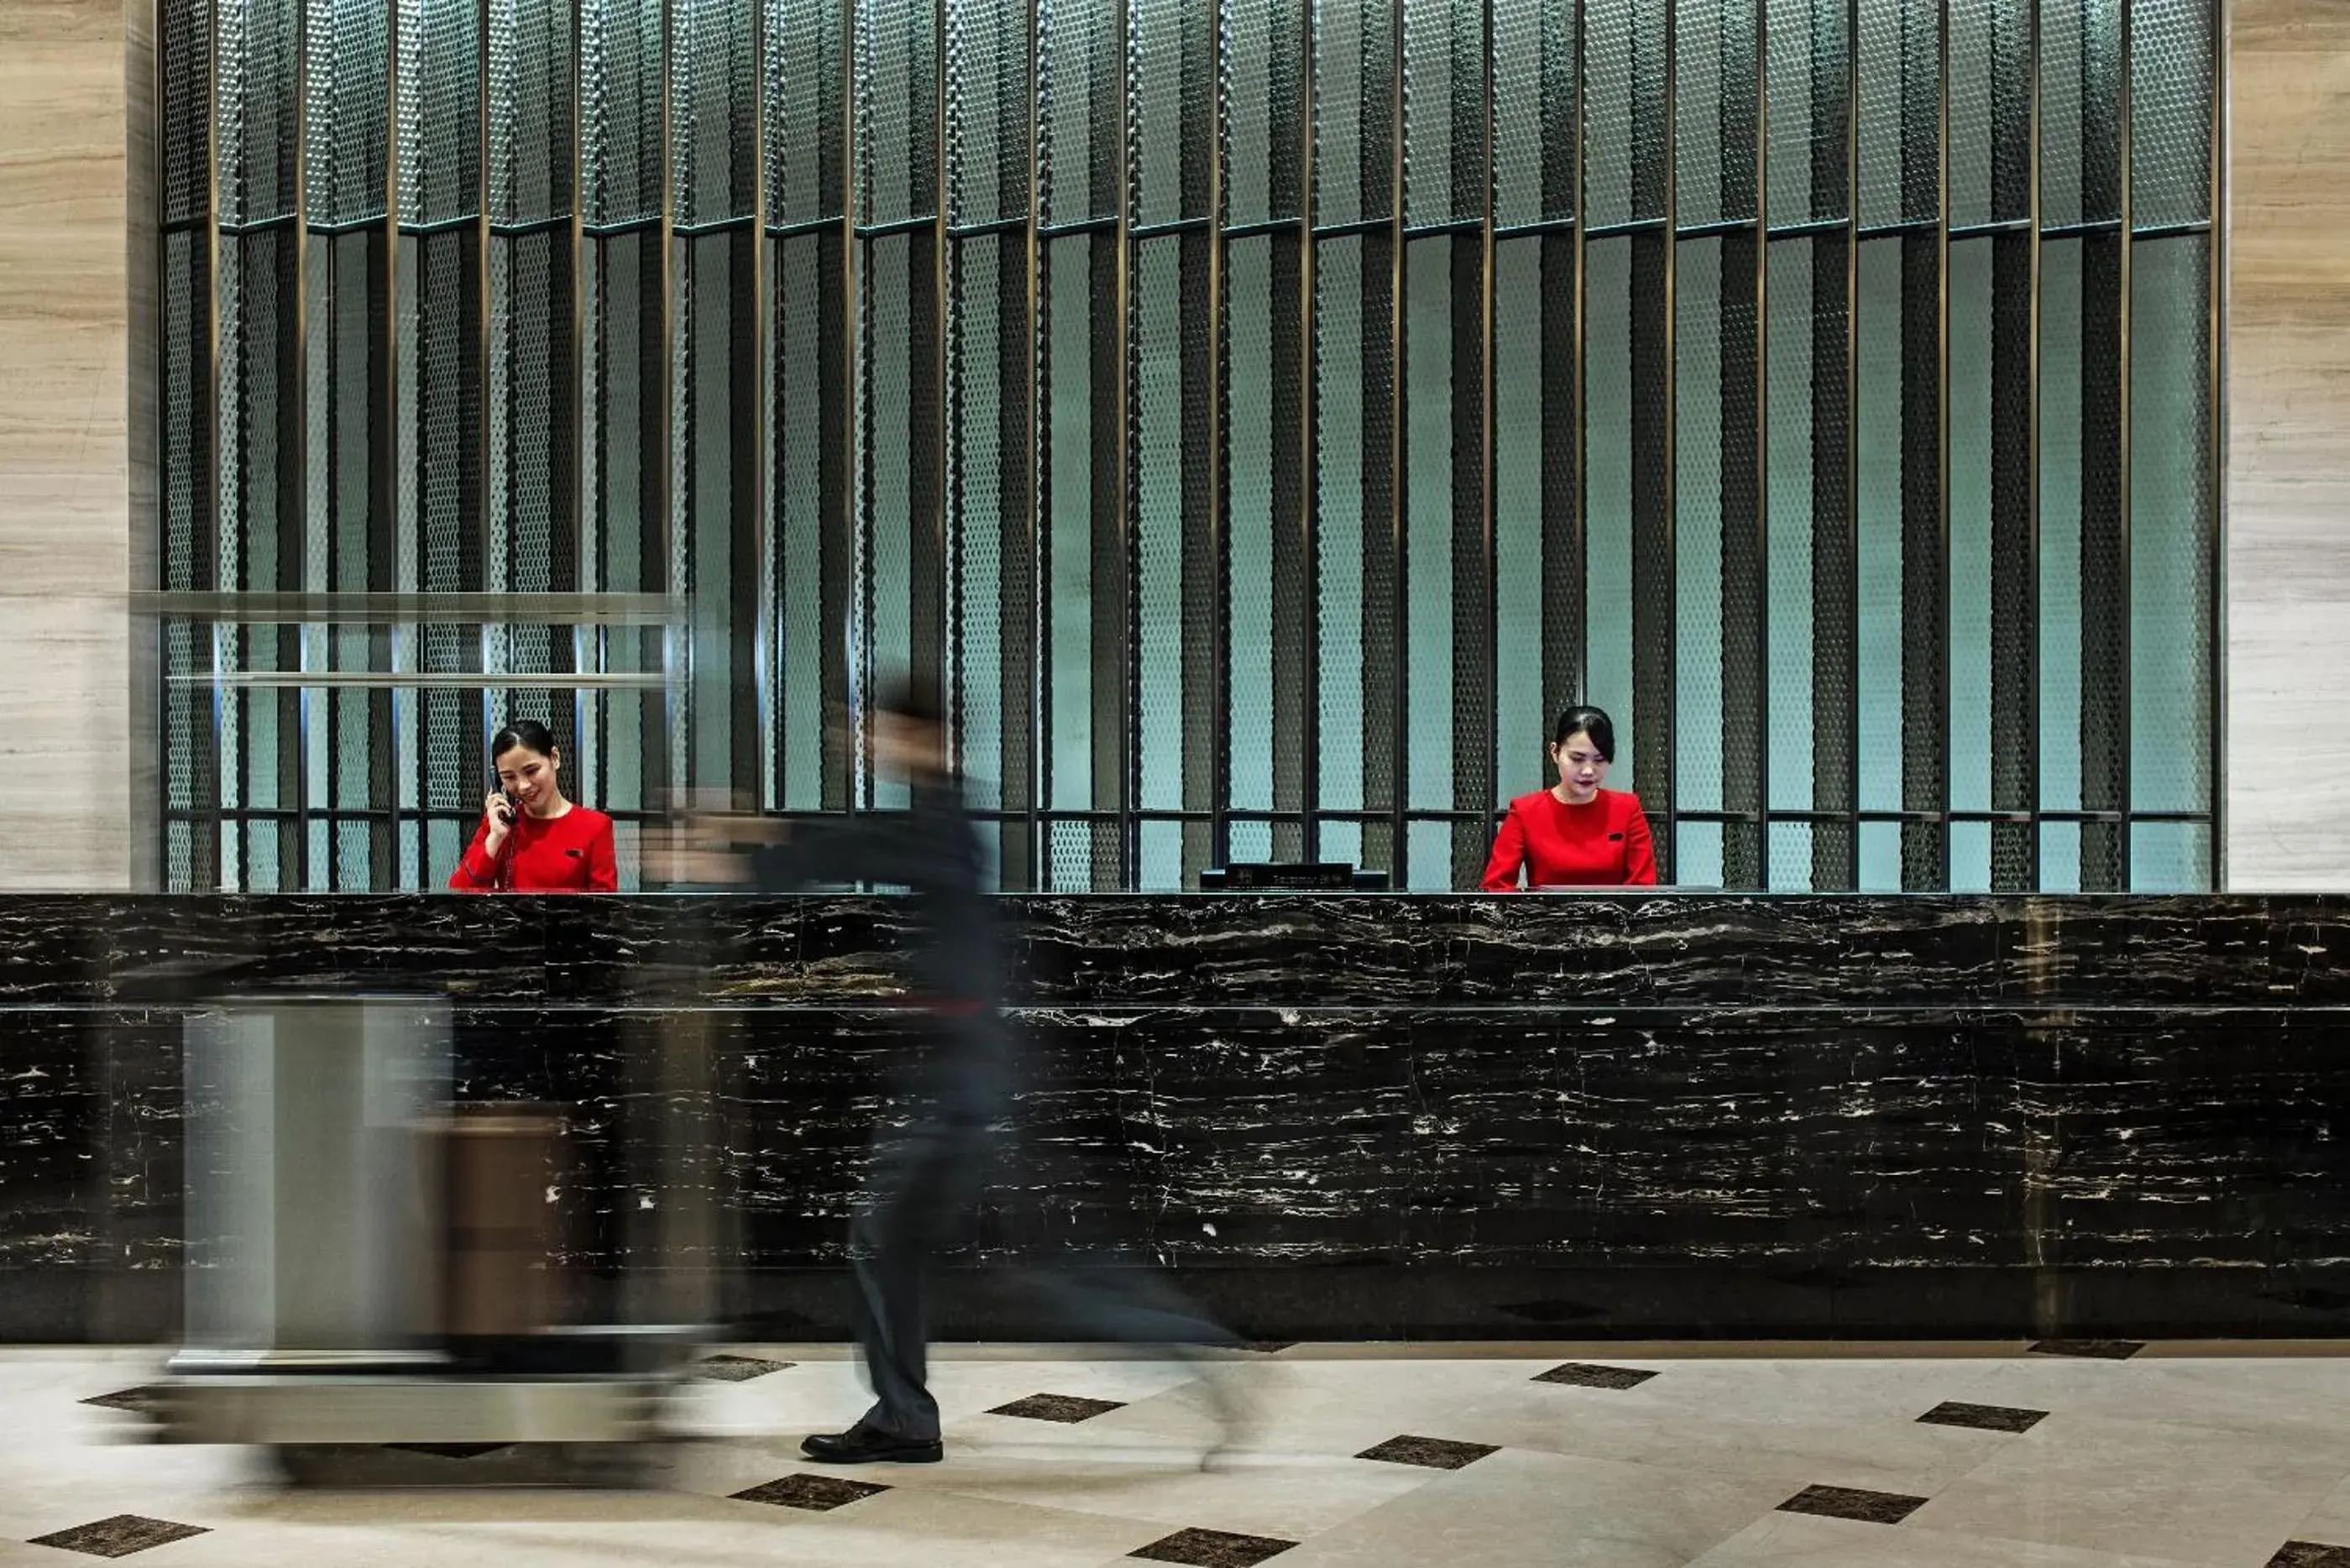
(1353, 1114)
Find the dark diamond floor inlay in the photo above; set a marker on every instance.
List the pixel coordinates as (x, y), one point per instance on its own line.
(1983, 1418)
(2094, 1349)
(1213, 1548)
(817, 1494)
(2309, 1554)
(118, 1537)
(1067, 1408)
(1581, 1375)
(449, 1450)
(139, 1400)
(736, 1369)
(1852, 1502)
(1428, 1453)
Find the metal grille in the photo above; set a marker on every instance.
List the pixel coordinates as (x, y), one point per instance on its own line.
(1360, 384)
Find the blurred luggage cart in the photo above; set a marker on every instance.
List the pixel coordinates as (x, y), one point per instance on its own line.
(370, 1265)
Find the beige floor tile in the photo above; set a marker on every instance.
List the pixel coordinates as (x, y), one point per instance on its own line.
(1797, 1540)
(2307, 1398)
(2328, 1523)
(1514, 1510)
(2200, 1494)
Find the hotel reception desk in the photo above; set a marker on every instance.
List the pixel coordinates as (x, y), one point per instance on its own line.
(1377, 1116)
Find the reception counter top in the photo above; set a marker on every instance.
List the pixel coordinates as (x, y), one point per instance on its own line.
(1374, 1115)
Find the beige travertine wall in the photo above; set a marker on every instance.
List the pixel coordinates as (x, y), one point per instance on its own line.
(2288, 796)
(65, 752)
(66, 756)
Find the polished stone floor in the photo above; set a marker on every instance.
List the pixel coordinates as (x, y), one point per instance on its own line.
(1549, 1456)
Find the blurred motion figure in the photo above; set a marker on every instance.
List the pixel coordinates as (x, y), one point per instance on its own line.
(926, 1176)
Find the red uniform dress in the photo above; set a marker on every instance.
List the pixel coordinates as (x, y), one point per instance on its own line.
(567, 854)
(1604, 844)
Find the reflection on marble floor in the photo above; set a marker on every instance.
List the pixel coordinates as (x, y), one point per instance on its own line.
(1552, 1455)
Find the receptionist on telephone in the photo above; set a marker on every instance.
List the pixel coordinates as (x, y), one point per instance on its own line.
(1574, 834)
(532, 839)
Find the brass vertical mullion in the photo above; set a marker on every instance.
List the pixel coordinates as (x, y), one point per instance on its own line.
(208, 507)
(1852, 430)
(296, 803)
(2122, 602)
(383, 563)
(1037, 872)
(484, 350)
(762, 552)
(1218, 704)
(1761, 443)
(1942, 427)
(1489, 765)
(946, 540)
(2032, 694)
(1670, 437)
(1398, 439)
(587, 642)
(677, 663)
(1578, 686)
(1130, 746)
(843, 702)
(1309, 762)
(2216, 414)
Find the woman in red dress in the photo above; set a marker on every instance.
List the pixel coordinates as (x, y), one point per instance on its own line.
(1574, 834)
(531, 839)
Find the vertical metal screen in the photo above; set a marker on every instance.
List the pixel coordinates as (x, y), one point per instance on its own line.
(1258, 415)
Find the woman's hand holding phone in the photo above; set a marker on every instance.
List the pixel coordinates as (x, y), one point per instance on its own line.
(497, 817)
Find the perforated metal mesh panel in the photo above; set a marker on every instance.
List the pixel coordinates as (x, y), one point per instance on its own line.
(1612, 60)
(1252, 429)
(1699, 528)
(2172, 745)
(1973, 59)
(1527, 578)
(1701, 30)
(1535, 103)
(1794, 391)
(2170, 113)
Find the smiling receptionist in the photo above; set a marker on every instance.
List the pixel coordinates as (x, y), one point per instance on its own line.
(1574, 834)
(532, 839)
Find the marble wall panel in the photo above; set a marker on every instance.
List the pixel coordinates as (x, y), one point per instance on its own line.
(66, 747)
(2288, 650)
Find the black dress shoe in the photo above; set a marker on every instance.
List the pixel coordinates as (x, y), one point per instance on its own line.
(861, 1445)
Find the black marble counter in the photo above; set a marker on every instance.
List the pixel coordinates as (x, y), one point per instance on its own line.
(1377, 1115)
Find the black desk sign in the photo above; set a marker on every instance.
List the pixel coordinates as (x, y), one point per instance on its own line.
(1290, 877)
